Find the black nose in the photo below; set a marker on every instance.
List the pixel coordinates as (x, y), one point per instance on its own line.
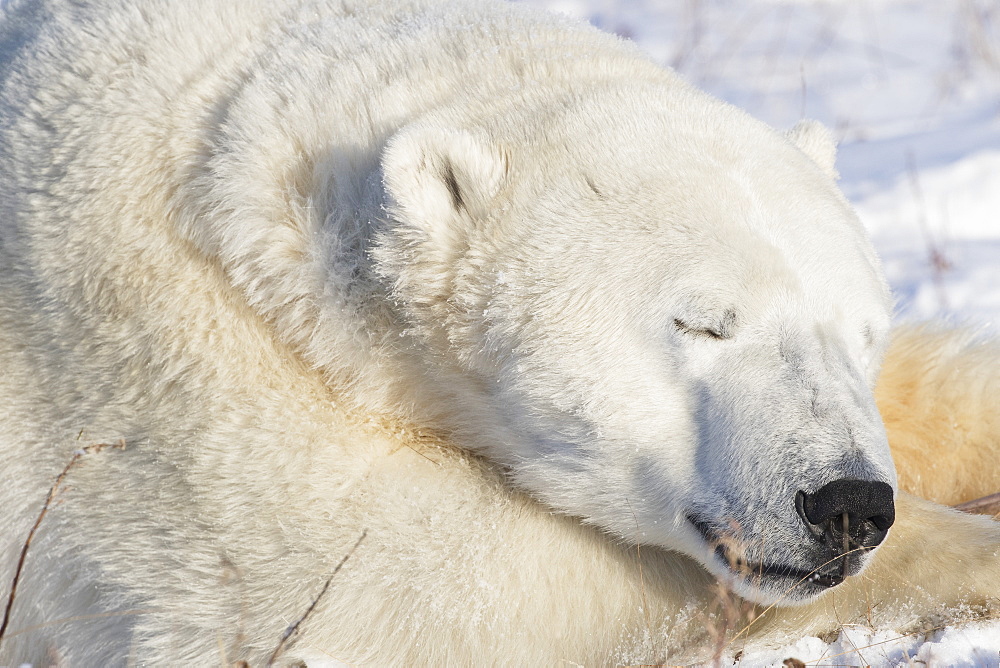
(848, 514)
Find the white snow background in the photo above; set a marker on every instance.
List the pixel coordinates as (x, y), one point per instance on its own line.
(911, 89)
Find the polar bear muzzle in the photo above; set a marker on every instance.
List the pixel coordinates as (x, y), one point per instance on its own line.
(845, 519)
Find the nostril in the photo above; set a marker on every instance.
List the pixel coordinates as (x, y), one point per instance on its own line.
(883, 522)
(867, 505)
(801, 501)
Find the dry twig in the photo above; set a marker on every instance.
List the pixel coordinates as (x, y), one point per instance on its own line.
(56, 486)
(987, 505)
(293, 628)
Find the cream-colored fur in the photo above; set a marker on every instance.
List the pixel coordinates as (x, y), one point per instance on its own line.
(481, 282)
(938, 396)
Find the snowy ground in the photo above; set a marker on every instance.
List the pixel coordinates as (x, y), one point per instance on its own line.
(912, 90)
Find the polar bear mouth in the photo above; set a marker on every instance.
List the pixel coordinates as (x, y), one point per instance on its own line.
(817, 578)
(729, 551)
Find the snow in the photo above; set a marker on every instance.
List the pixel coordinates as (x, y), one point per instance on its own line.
(968, 645)
(911, 89)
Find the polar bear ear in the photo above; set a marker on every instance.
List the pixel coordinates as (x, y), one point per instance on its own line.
(438, 185)
(434, 176)
(816, 141)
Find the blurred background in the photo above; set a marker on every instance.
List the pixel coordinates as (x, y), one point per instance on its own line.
(911, 90)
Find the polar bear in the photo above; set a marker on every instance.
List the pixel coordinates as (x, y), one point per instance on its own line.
(585, 354)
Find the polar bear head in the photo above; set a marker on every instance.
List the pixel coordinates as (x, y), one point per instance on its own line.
(660, 316)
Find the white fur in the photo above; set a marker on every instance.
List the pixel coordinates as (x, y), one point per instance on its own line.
(430, 270)
(814, 139)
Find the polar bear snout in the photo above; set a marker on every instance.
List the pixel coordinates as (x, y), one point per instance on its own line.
(848, 515)
(846, 519)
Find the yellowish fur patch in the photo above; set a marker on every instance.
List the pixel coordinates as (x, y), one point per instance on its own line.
(939, 395)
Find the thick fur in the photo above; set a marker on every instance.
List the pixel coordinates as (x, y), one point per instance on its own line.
(483, 283)
(937, 394)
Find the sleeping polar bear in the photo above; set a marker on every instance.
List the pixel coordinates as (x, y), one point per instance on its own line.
(571, 341)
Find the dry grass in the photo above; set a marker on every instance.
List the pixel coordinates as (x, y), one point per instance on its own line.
(57, 486)
(294, 627)
(987, 505)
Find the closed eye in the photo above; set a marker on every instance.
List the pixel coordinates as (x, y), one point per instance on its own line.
(704, 332)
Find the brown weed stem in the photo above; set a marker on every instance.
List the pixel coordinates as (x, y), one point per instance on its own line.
(77, 454)
(293, 628)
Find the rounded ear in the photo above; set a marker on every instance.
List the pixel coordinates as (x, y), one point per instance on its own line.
(816, 141)
(433, 176)
(438, 183)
